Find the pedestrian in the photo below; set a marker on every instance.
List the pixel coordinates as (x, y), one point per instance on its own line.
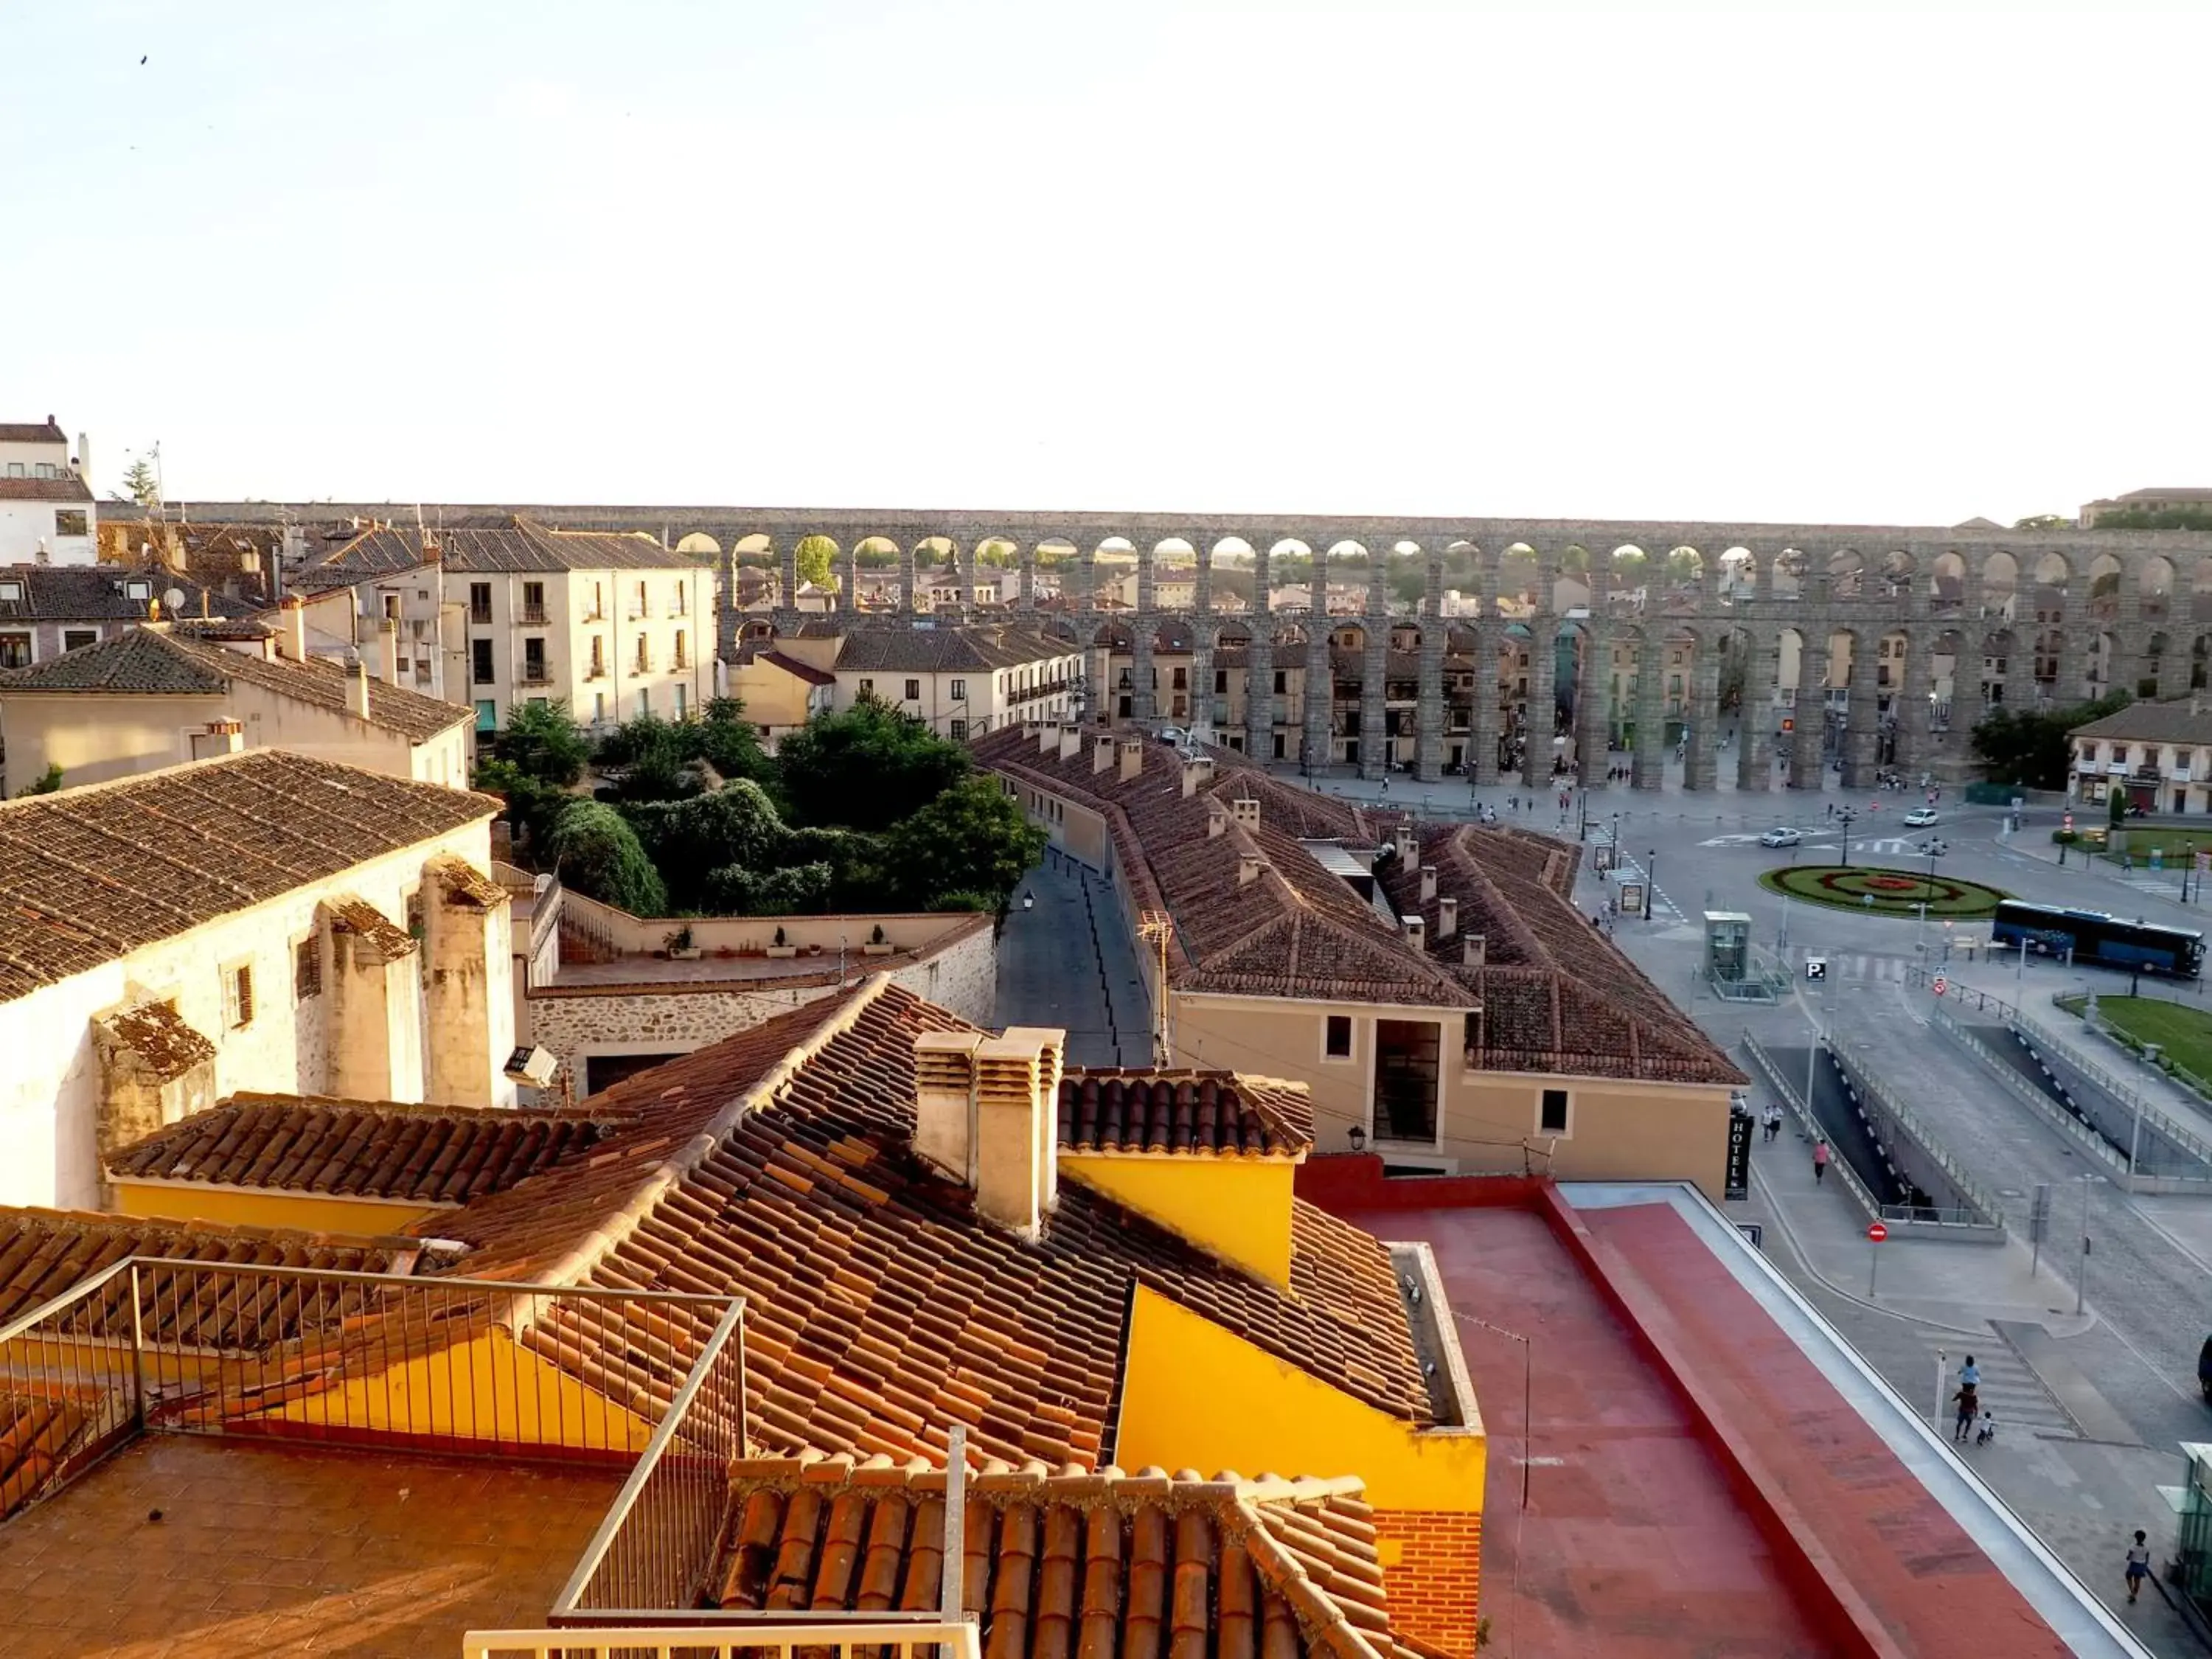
(2138, 1564)
(1819, 1162)
(1970, 1374)
(1969, 1402)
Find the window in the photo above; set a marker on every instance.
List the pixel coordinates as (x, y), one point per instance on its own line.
(417, 920)
(17, 469)
(1282, 682)
(487, 715)
(1471, 1040)
(480, 662)
(599, 604)
(599, 658)
(307, 969)
(533, 602)
(644, 702)
(680, 643)
(1405, 1056)
(238, 995)
(1337, 1044)
(533, 660)
(680, 705)
(1182, 681)
(959, 732)
(68, 522)
(598, 709)
(141, 592)
(681, 607)
(644, 654)
(959, 690)
(15, 650)
(1552, 1116)
(868, 688)
(1221, 682)
(914, 690)
(480, 604)
(75, 639)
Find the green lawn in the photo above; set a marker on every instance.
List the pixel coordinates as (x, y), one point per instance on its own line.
(2177, 844)
(2185, 1034)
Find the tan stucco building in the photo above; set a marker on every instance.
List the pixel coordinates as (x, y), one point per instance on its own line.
(780, 692)
(160, 693)
(1437, 990)
(259, 923)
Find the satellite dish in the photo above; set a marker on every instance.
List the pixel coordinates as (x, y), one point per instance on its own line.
(174, 600)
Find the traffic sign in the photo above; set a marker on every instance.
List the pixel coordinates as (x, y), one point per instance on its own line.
(1941, 985)
(1816, 967)
(1877, 1232)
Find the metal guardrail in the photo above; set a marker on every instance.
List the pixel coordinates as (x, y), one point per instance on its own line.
(1801, 1110)
(2127, 1095)
(448, 1366)
(1984, 1210)
(662, 1538)
(778, 1635)
(2049, 1110)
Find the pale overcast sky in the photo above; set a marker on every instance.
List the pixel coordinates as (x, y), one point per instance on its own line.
(1759, 264)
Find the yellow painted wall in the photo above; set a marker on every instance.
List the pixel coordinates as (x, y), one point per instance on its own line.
(184, 1201)
(1236, 1207)
(1196, 1396)
(486, 1388)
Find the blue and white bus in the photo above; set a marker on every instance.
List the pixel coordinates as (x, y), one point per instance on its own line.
(2093, 937)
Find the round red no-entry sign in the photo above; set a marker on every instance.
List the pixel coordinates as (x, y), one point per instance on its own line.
(1877, 1232)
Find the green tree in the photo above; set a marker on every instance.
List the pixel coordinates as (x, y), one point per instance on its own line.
(2045, 521)
(814, 555)
(543, 741)
(141, 484)
(532, 806)
(597, 853)
(723, 738)
(649, 758)
(2176, 518)
(866, 768)
(2116, 806)
(973, 838)
(719, 852)
(2030, 747)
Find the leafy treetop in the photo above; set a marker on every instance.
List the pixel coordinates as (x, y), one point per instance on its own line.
(866, 768)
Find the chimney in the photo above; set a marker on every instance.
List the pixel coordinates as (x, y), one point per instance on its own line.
(1474, 950)
(1417, 931)
(1071, 742)
(1249, 866)
(295, 630)
(1407, 843)
(1447, 919)
(356, 685)
(1194, 773)
(1048, 739)
(1428, 883)
(1217, 819)
(1101, 756)
(1017, 1126)
(388, 648)
(945, 1101)
(84, 455)
(1133, 759)
(226, 737)
(1245, 809)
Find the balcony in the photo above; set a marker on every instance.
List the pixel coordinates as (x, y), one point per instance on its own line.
(598, 670)
(533, 615)
(480, 616)
(534, 673)
(638, 610)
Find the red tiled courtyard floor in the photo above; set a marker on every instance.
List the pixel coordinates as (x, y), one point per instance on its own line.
(268, 1550)
(1633, 1545)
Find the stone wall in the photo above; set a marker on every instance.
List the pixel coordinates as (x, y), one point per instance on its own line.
(578, 1022)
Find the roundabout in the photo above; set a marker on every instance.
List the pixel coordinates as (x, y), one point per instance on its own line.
(1891, 892)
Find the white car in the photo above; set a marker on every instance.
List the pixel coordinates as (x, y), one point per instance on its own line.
(1921, 818)
(1782, 838)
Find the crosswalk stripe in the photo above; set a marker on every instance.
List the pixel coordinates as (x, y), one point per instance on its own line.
(2009, 1391)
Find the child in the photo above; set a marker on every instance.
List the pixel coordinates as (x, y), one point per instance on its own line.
(1988, 1432)
(2138, 1565)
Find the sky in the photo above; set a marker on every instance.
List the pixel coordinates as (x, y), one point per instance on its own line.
(1903, 266)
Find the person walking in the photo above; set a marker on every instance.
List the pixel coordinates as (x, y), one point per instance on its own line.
(1968, 1400)
(2138, 1564)
(1819, 1162)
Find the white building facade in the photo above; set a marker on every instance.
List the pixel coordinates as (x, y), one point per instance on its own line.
(47, 515)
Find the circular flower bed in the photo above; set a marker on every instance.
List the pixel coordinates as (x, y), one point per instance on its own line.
(1893, 892)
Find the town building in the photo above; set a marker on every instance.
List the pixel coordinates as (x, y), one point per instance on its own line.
(47, 514)
(2180, 500)
(244, 562)
(160, 693)
(1438, 991)
(780, 692)
(2158, 755)
(260, 920)
(615, 626)
(46, 609)
(830, 1243)
(961, 682)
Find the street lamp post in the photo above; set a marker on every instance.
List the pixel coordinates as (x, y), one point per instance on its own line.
(1650, 883)
(1935, 849)
(1846, 816)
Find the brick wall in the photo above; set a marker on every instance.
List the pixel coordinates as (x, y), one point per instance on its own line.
(1432, 1570)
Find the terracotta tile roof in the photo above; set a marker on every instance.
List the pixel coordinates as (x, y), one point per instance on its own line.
(39, 1432)
(894, 650)
(1555, 996)
(798, 670)
(528, 546)
(159, 1036)
(880, 1310)
(1296, 930)
(70, 488)
(44, 1253)
(2177, 720)
(186, 659)
(464, 883)
(1063, 1563)
(84, 592)
(89, 875)
(47, 431)
(360, 558)
(377, 1149)
(364, 920)
(1139, 1110)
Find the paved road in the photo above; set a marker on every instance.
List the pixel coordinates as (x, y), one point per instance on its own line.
(1066, 963)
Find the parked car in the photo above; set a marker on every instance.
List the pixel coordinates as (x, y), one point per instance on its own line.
(1921, 818)
(1782, 838)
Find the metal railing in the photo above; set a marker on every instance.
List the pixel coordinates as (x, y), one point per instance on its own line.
(1801, 1110)
(2123, 1094)
(780, 1634)
(660, 1540)
(2027, 1092)
(456, 1366)
(1983, 1208)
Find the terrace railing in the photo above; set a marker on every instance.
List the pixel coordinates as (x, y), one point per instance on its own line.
(779, 1638)
(457, 1366)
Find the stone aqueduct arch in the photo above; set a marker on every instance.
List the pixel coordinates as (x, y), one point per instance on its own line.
(2046, 609)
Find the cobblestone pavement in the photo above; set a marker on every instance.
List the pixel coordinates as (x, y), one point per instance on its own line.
(1066, 963)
